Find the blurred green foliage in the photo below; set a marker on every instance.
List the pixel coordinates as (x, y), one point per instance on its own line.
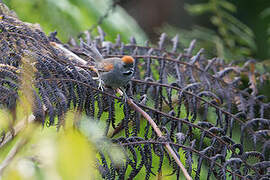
(70, 17)
(229, 38)
(48, 154)
(265, 14)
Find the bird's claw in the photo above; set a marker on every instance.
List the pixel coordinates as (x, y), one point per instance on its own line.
(101, 84)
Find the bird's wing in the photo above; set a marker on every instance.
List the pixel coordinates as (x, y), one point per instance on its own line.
(106, 65)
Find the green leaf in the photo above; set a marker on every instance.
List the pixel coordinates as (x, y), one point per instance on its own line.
(198, 9)
(228, 6)
(70, 17)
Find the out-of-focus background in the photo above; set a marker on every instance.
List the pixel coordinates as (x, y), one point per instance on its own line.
(233, 30)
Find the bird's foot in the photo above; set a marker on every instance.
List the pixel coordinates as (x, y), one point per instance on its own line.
(100, 83)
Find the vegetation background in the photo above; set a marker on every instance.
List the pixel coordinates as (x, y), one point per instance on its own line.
(226, 28)
(233, 30)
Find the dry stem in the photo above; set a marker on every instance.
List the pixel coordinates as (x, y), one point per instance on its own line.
(159, 133)
(20, 126)
(11, 155)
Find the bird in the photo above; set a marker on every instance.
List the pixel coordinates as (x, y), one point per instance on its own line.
(111, 72)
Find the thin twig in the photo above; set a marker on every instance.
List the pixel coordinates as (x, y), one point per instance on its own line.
(18, 128)
(159, 133)
(11, 155)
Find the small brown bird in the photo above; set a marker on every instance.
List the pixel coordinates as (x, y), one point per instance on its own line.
(112, 72)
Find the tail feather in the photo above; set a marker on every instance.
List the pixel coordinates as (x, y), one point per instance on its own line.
(91, 51)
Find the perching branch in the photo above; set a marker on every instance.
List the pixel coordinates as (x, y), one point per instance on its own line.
(159, 133)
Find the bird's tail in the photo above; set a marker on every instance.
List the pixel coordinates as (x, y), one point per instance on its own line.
(91, 51)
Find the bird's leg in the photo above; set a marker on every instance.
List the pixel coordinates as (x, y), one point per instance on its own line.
(100, 84)
(100, 81)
